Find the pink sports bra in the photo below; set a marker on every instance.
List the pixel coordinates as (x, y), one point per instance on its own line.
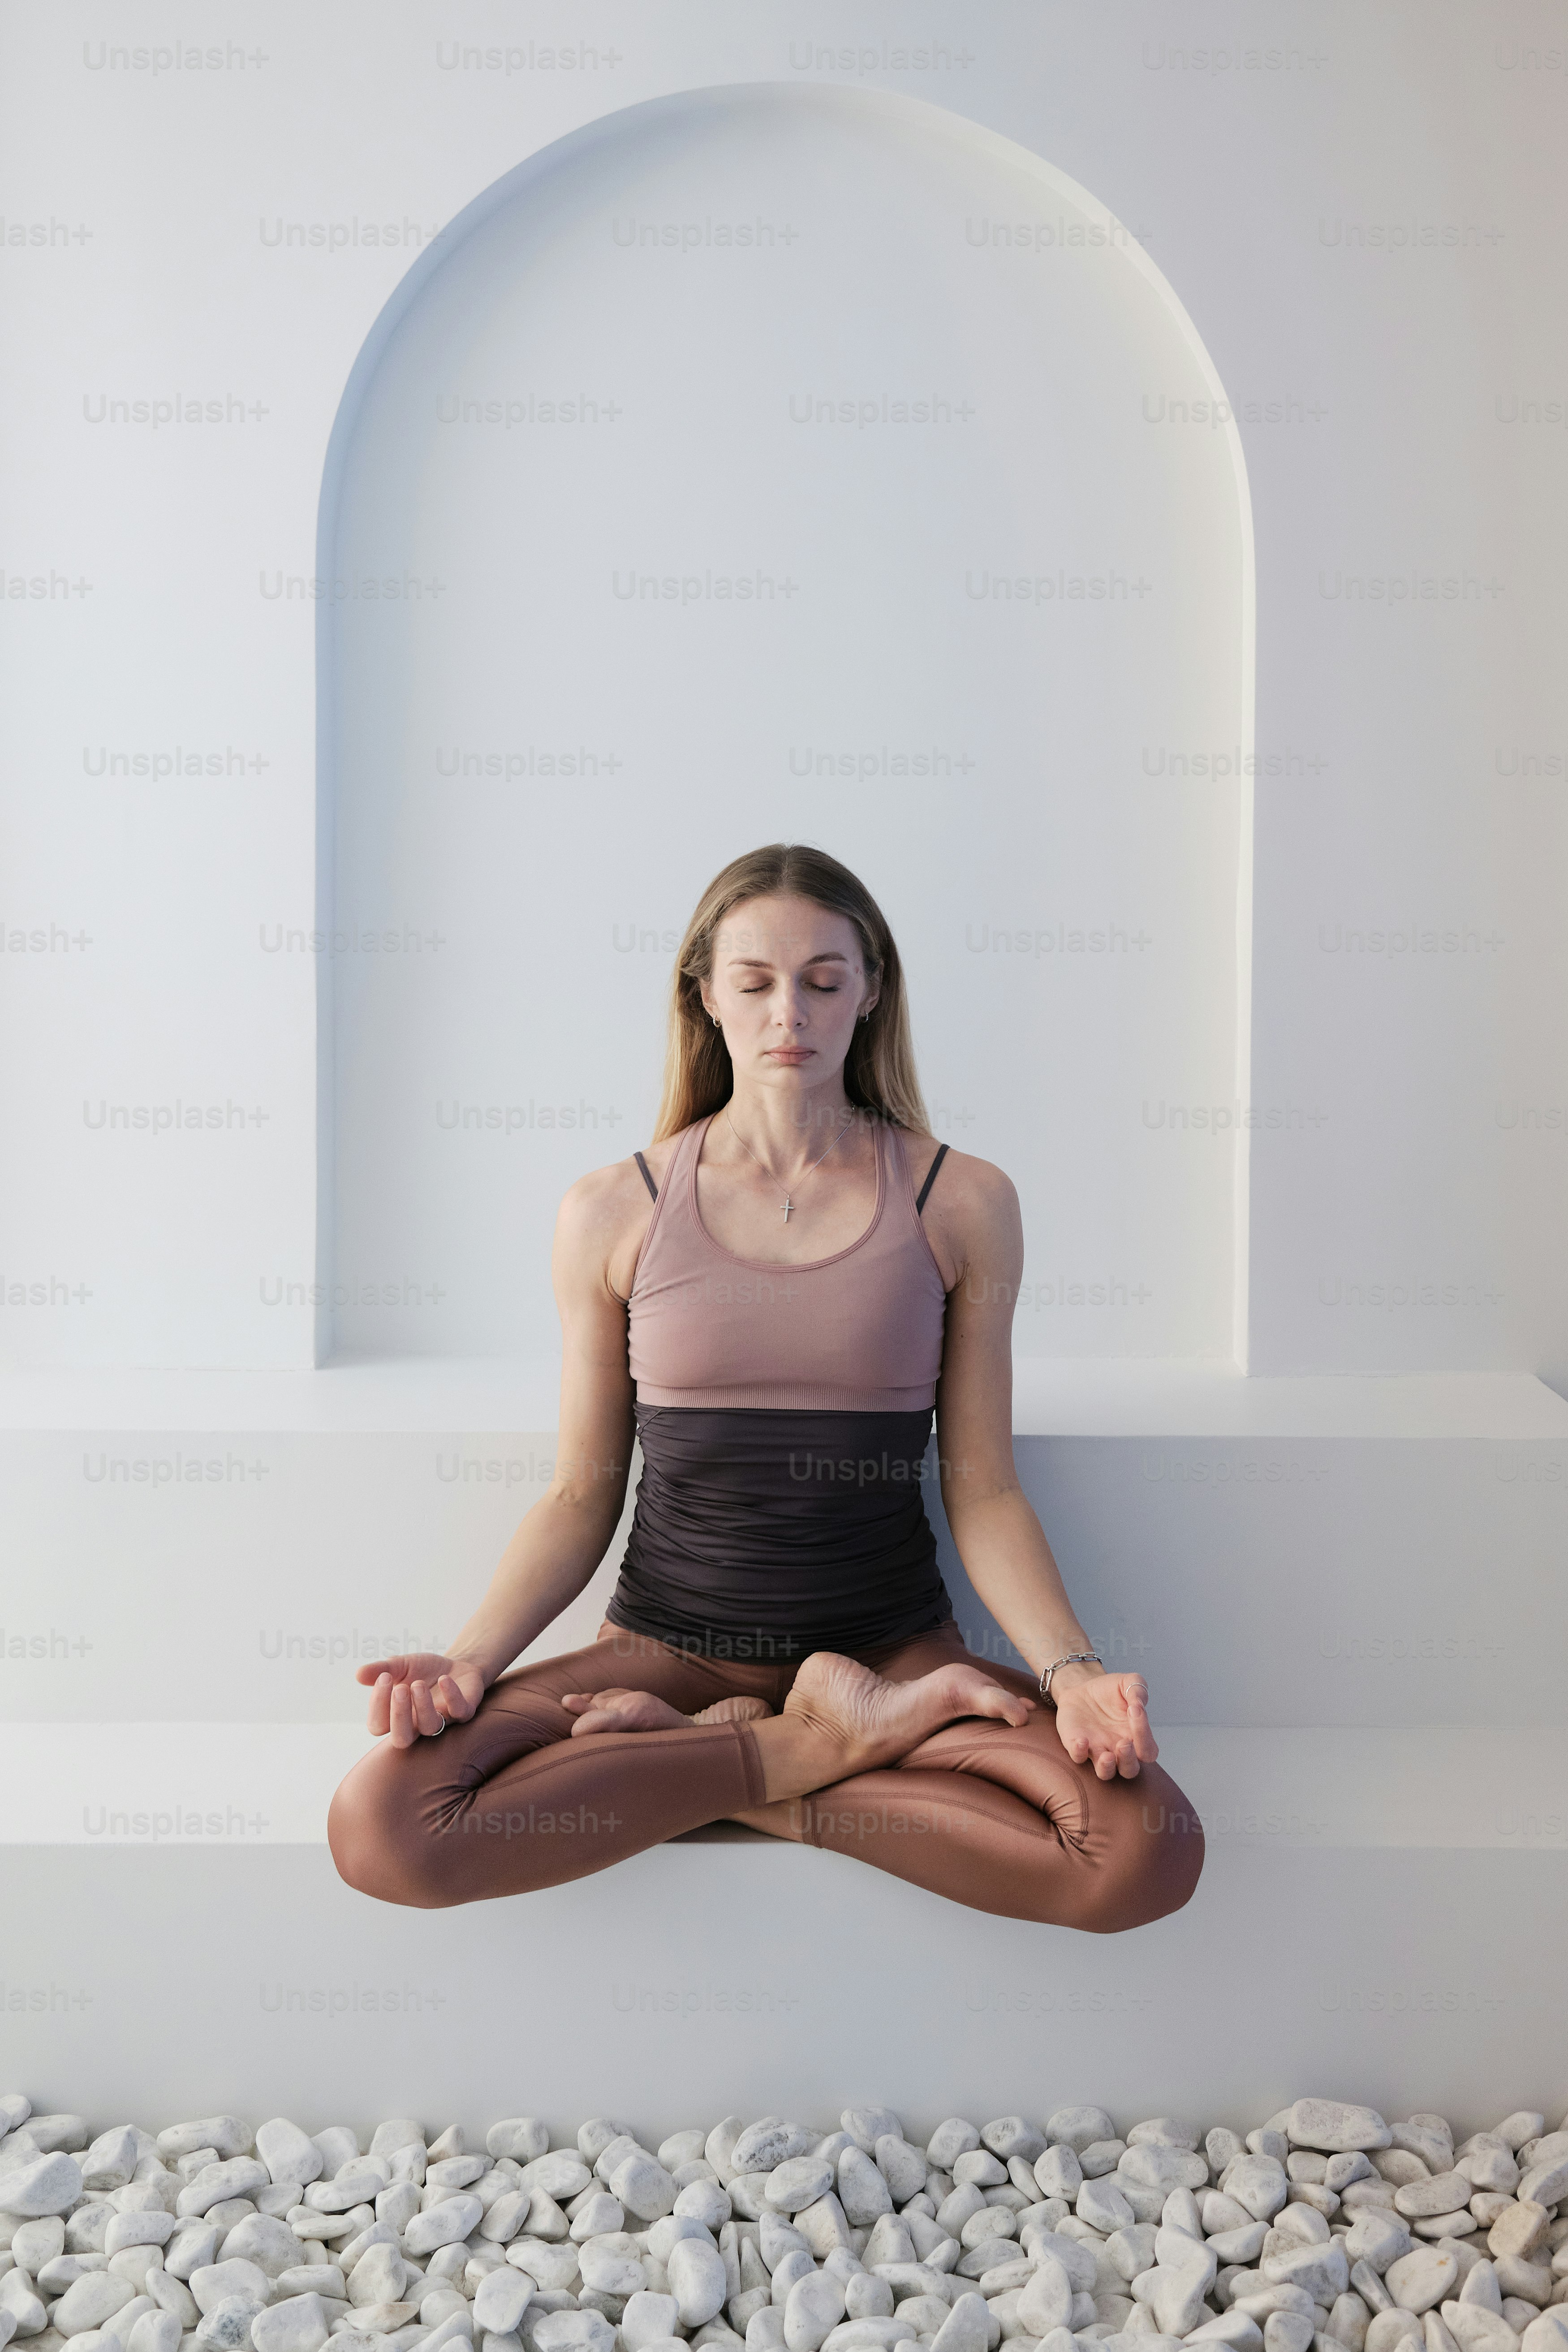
(860, 1331)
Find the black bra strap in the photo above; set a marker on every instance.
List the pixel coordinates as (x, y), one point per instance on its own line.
(647, 1180)
(931, 1177)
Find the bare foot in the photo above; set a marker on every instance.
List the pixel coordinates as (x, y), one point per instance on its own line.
(621, 1710)
(739, 1709)
(872, 1722)
(635, 1710)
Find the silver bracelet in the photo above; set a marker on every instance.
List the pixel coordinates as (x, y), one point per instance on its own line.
(1073, 1658)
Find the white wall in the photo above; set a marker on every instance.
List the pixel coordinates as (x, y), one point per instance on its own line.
(1361, 212)
(704, 580)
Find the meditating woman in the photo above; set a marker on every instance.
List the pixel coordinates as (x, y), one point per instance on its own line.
(773, 1298)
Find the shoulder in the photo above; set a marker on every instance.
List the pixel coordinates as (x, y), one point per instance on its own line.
(602, 1207)
(962, 1180)
(599, 1204)
(971, 1214)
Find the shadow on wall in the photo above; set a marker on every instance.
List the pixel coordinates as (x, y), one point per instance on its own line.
(776, 462)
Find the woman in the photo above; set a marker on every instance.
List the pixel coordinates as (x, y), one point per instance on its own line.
(774, 1295)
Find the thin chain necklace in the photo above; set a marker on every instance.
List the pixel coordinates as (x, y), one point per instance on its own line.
(768, 1172)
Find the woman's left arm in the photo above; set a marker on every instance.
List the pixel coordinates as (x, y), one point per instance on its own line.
(1102, 1718)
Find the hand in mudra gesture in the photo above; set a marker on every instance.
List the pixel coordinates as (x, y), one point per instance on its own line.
(1105, 1721)
(413, 1695)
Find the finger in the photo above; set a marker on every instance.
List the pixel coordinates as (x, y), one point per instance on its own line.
(377, 1713)
(456, 1704)
(1142, 1734)
(427, 1716)
(1126, 1760)
(1010, 1706)
(1077, 1746)
(400, 1725)
(598, 1719)
(1105, 1763)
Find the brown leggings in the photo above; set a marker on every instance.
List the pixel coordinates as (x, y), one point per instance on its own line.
(992, 1816)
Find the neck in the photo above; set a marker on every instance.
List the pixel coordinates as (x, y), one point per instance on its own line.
(788, 1131)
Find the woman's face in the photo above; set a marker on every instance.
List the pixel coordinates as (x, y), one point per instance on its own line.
(788, 985)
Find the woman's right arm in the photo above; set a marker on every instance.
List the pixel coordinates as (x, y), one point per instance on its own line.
(564, 1536)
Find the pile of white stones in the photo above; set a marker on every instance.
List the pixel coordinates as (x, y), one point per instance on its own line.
(1325, 2229)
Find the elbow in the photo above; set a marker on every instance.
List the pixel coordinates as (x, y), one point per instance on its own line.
(964, 1503)
(586, 1502)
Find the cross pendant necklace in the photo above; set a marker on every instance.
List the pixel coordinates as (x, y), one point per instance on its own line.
(768, 1172)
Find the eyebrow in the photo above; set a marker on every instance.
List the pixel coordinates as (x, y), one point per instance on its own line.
(761, 964)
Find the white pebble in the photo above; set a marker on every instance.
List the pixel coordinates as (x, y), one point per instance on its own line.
(227, 2327)
(214, 2283)
(801, 2180)
(21, 2309)
(224, 2134)
(573, 2331)
(966, 2328)
(33, 2243)
(1476, 2329)
(89, 2301)
(813, 2308)
(764, 2145)
(698, 2279)
(50, 2183)
(1330, 2125)
(702, 2201)
(155, 2331)
(298, 2324)
(442, 2225)
(643, 2187)
(648, 2319)
(1046, 2300)
(1423, 2278)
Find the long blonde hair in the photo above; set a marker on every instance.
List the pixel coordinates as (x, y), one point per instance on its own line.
(879, 1068)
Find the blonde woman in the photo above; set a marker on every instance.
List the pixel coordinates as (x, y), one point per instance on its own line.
(773, 1298)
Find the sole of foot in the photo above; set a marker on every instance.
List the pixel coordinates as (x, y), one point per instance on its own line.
(874, 1722)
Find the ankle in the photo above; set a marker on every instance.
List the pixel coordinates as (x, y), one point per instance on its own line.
(797, 1756)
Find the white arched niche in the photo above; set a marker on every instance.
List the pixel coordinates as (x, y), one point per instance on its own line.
(783, 462)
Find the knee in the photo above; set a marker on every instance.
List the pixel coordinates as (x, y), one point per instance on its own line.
(1152, 1856)
(375, 1842)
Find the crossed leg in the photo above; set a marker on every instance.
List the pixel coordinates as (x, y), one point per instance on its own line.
(997, 1816)
(509, 1801)
(992, 1815)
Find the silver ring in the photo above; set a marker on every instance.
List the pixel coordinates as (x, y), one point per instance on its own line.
(436, 1734)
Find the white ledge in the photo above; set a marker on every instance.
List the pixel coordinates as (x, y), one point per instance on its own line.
(243, 1785)
(1066, 1397)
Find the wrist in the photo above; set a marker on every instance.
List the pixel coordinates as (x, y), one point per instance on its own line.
(481, 1655)
(1071, 1674)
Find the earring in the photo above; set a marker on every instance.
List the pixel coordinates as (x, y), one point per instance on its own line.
(714, 1018)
